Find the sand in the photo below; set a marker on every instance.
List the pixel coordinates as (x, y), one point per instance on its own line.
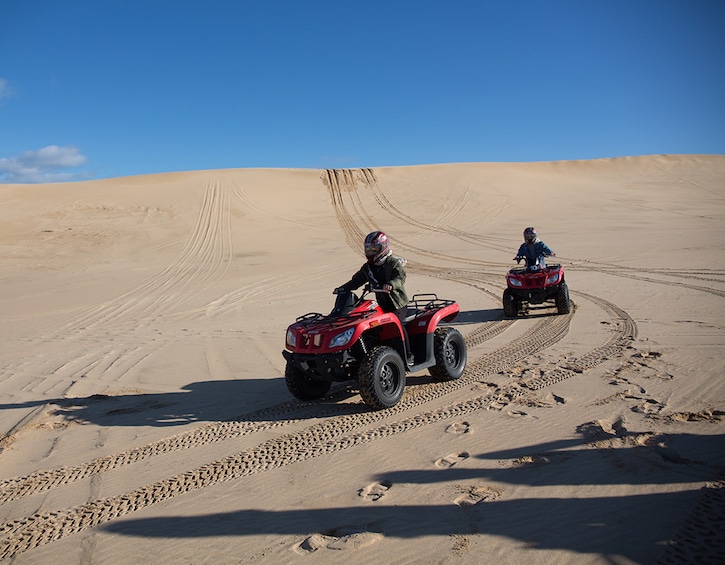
(145, 417)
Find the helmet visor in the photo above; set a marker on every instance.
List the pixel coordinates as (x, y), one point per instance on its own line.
(372, 250)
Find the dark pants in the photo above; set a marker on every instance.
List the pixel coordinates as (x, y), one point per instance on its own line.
(401, 313)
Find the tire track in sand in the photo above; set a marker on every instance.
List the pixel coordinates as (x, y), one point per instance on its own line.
(545, 332)
(205, 257)
(337, 432)
(368, 179)
(441, 224)
(336, 180)
(687, 544)
(328, 436)
(629, 273)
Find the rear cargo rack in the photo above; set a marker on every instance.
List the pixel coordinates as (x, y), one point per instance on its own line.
(422, 303)
(428, 301)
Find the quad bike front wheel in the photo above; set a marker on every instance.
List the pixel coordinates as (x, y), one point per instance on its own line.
(451, 355)
(381, 378)
(510, 305)
(302, 386)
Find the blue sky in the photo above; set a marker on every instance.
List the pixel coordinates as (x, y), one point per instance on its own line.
(93, 89)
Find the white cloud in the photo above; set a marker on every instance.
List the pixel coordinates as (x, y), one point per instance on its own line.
(5, 90)
(48, 164)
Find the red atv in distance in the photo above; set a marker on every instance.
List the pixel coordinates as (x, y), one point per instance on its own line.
(358, 341)
(535, 284)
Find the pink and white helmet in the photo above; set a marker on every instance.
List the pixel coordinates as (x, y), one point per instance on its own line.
(377, 247)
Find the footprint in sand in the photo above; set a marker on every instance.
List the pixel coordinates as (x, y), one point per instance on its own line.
(520, 414)
(649, 407)
(556, 399)
(347, 537)
(375, 491)
(647, 355)
(497, 405)
(702, 416)
(459, 428)
(451, 460)
(474, 495)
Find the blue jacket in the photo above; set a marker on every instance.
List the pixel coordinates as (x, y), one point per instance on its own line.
(534, 251)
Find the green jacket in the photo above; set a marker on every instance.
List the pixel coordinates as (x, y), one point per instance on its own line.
(391, 272)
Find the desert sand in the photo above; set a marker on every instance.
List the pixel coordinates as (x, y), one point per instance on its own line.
(145, 418)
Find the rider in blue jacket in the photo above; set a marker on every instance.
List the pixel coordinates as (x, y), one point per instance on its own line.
(533, 249)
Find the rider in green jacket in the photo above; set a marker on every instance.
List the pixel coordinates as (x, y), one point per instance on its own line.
(383, 271)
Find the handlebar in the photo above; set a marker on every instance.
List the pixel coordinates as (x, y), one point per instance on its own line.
(519, 257)
(340, 290)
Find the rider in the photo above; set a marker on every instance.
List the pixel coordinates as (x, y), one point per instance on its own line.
(533, 249)
(383, 270)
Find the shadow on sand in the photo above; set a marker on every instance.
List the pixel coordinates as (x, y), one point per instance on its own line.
(466, 317)
(205, 401)
(636, 527)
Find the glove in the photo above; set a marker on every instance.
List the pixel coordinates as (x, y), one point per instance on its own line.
(518, 259)
(339, 290)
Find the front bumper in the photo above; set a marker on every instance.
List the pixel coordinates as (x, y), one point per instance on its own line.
(534, 295)
(323, 367)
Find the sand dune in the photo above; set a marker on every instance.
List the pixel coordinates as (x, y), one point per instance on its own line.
(145, 418)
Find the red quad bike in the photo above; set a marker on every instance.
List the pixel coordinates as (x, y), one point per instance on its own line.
(535, 284)
(358, 341)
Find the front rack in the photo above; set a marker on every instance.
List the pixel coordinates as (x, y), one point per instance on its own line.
(314, 317)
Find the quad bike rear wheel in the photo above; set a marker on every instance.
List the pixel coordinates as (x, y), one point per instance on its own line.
(449, 349)
(563, 304)
(381, 377)
(302, 386)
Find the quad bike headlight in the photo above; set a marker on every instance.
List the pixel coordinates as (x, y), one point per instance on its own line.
(341, 339)
(553, 278)
(291, 338)
(515, 282)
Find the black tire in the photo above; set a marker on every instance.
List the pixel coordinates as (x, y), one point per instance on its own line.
(381, 378)
(563, 304)
(510, 305)
(302, 386)
(451, 354)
